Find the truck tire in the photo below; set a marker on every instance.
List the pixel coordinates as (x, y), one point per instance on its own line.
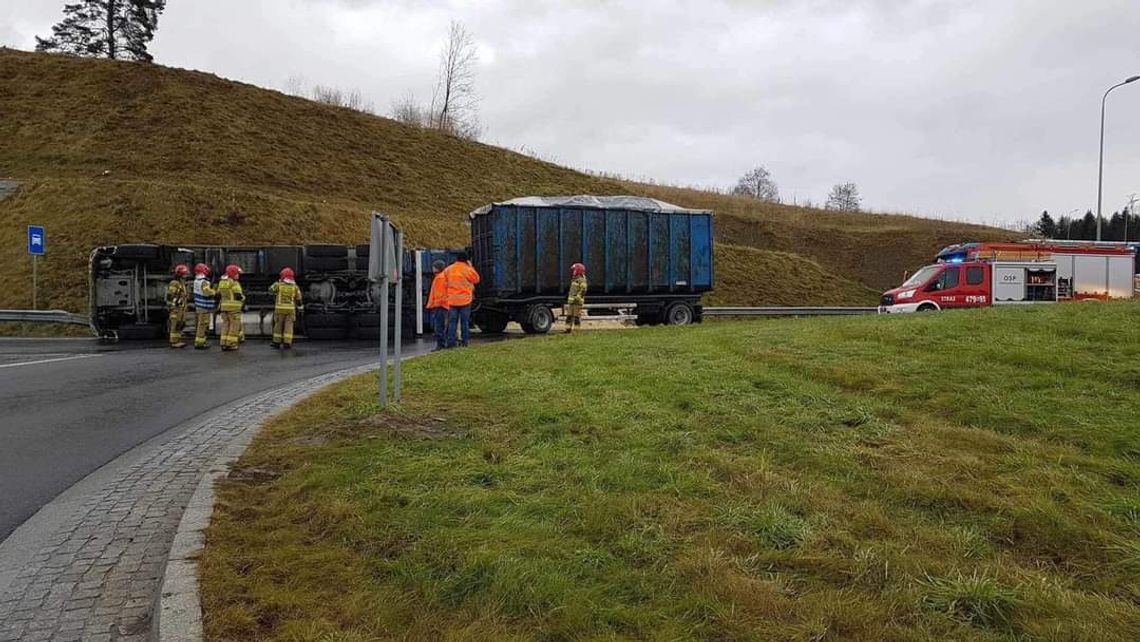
(539, 319)
(326, 251)
(493, 323)
(679, 313)
(927, 307)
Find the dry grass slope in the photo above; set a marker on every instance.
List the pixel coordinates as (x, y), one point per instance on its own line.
(112, 152)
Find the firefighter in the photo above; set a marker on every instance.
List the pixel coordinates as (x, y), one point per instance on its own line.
(437, 304)
(230, 304)
(287, 304)
(177, 301)
(460, 279)
(204, 305)
(577, 297)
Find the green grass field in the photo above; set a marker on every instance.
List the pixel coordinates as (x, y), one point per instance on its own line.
(968, 476)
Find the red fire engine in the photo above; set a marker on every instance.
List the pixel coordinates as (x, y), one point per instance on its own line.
(972, 275)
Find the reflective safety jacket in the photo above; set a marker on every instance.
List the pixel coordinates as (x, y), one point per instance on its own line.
(286, 295)
(204, 294)
(437, 297)
(177, 296)
(230, 294)
(461, 279)
(577, 291)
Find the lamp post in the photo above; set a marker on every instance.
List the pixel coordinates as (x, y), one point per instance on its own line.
(1100, 172)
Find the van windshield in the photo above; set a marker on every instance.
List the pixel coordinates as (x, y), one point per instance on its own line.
(922, 276)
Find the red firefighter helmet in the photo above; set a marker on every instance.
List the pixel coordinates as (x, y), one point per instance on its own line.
(287, 274)
(181, 270)
(577, 269)
(202, 269)
(233, 272)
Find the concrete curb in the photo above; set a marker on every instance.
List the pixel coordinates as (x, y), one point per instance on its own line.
(178, 611)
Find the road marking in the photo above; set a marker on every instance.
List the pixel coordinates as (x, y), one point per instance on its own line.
(32, 363)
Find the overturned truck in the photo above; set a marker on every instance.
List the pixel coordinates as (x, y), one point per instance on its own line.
(648, 257)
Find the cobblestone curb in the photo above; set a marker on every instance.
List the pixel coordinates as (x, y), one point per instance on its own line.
(96, 574)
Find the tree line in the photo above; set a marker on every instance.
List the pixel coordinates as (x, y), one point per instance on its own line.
(1119, 226)
(758, 183)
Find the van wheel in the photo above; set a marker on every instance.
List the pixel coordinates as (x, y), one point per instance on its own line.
(927, 307)
(539, 320)
(679, 314)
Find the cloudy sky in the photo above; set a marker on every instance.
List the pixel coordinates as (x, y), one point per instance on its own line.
(978, 110)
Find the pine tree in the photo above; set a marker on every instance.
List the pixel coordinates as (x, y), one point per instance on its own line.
(116, 29)
(1046, 227)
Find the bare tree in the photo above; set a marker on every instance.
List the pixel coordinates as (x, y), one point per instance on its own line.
(408, 111)
(758, 184)
(295, 85)
(454, 102)
(844, 197)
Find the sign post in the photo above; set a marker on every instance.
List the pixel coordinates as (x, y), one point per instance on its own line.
(37, 246)
(385, 268)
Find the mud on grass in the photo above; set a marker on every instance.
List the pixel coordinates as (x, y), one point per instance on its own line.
(965, 476)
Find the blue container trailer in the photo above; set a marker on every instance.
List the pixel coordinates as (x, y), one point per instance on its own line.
(639, 253)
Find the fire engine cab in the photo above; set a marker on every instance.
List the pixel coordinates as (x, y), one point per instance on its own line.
(973, 275)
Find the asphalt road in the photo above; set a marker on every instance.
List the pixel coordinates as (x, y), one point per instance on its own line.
(69, 406)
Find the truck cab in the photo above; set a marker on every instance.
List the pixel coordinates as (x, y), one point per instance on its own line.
(941, 286)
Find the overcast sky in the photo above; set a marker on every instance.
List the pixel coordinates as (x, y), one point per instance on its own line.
(979, 110)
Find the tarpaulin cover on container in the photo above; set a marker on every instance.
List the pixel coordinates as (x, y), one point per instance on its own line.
(638, 203)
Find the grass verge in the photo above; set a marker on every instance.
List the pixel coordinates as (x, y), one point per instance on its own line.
(967, 476)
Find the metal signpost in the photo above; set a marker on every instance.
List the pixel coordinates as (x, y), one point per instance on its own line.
(385, 267)
(37, 246)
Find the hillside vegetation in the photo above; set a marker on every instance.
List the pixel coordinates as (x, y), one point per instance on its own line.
(110, 152)
(970, 475)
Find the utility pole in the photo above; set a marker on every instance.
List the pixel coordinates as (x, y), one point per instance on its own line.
(1100, 171)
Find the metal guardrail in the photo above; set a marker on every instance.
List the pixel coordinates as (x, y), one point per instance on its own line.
(788, 311)
(43, 316)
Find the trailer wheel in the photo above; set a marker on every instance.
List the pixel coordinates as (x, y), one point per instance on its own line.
(679, 314)
(493, 323)
(539, 319)
(927, 307)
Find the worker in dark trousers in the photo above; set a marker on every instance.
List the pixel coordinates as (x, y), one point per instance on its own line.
(437, 304)
(286, 306)
(231, 300)
(461, 279)
(204, 305)
(177, 302)
(576, 298)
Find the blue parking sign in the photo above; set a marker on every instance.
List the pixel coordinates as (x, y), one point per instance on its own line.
(37, 240)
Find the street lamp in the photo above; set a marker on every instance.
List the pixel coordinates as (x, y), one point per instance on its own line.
(1100, 174)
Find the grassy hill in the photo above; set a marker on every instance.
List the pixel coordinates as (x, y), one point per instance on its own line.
(971, 475)
(110, 152)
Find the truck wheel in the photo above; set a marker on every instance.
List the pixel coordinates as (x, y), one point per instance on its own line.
(679, 314)
(493, 323)
(540, 320)
(927, 307)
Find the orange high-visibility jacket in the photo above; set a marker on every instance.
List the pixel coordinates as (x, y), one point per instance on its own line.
(461, 279)
(437, 297)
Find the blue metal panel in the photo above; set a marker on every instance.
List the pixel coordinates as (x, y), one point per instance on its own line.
(547, 250)
(572, 238)
(594, 245)
(640, 252)
(701, 252)
(659, 251)
(528, 245)
(680, 241)
(617, 253)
